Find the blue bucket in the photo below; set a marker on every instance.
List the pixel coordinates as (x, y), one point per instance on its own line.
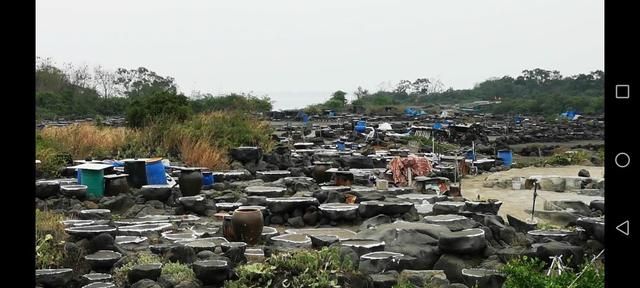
(506, 156)
(155, 172)
(340, 145)
(207, 178)
(470, 155)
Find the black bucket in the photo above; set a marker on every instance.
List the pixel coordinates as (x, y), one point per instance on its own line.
(137, 170)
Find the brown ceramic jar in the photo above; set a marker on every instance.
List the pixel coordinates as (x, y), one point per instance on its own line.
(247, 225)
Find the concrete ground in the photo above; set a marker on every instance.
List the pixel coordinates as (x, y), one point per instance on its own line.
(516, 201)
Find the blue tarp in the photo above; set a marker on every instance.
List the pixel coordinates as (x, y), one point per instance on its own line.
(412, 112)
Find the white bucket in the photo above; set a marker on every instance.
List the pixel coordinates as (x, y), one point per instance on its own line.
(516, 183)
(382, 184)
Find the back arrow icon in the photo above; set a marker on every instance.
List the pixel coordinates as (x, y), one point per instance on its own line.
(624, 227)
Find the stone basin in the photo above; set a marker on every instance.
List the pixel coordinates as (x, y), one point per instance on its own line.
(267, 233)
(80, 223)
(54, 277)
(201, 231)
(90, 230)
(291, 241)
(339, 211)
(341, 234)
(451, 221)
(468, 241)
(480, 277)
(227, 206)
(377, 262)
(270, 176)
(160, 192)
(418, 198)
(129, 240)
(554, 234)
(211, 271)
(335, 188)
(400, 190)
(448, 207)
(593, 227)
(269, 192)
(179, 236)
(95, 214)
(143, 229)
(96, 277)
(364, 246)
(363, 189)
(77, 191)
(284, 204)
(203, 244)
(369, 209)
(103, 259)
(100, 285)
(153, 219)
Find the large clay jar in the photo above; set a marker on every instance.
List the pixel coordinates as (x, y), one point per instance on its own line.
(190, 181)
(227, 228)
(319, 172)
(247, 225)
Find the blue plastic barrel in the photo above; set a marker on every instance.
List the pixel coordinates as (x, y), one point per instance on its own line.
(506, 156)
(361, 126)
(207, 178)
(155, 172)
(340, 145)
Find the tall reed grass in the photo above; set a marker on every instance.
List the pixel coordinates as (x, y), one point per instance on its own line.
(204, 140)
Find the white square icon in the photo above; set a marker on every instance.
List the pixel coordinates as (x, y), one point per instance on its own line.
(623, 91)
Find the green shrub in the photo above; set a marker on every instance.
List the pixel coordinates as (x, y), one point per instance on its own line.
(178, 272)
(531, 273)
(120, 273)
(569, 158)
(304, 268)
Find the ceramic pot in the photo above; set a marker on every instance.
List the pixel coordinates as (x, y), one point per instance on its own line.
(115, 186)
(190, 182)
(227, 228)
(247, 225)
(137, 171)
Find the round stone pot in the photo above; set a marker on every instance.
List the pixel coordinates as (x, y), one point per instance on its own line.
(247, 225)
(190, 182)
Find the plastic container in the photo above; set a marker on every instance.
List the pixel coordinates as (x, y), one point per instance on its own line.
(155, 172)
(517, 182)
(207, 178)
(340, 146)
(506, 156)
(94, 180)
(361, 126)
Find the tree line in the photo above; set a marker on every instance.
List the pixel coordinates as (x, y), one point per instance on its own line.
(536, 91)
(138, 94)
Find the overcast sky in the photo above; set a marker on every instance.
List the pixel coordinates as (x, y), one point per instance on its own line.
(299, 52)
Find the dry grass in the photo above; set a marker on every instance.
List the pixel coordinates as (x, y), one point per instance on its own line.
(202, 154)
(84, 140)
(50, 237)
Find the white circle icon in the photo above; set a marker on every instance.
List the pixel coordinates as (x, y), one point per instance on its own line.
(622, 160)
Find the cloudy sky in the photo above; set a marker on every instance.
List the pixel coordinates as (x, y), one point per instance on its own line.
(299, 52)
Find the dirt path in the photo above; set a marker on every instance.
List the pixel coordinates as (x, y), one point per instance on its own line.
(516, 201)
